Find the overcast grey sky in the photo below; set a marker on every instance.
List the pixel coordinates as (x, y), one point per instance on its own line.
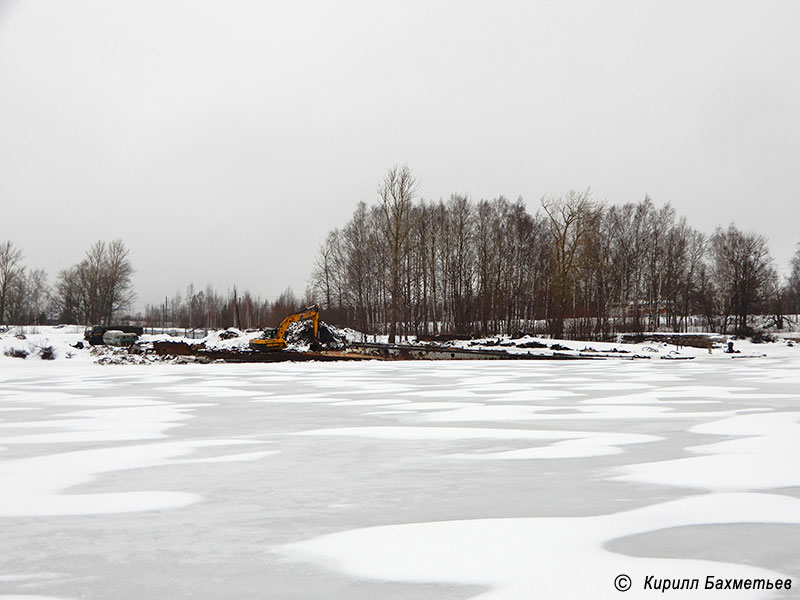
(222, 140)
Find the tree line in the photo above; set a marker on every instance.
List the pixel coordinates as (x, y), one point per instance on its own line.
(98, 290)
(209, 309)
(406, 265)
(574, 268)
(95, 290)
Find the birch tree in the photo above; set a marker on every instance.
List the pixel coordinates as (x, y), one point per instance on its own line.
(396, 194)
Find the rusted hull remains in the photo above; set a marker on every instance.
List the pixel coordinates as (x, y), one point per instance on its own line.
(183, 349)
(362, 351)
(419, 352)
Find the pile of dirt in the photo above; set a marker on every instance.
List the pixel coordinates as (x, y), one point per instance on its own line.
(16, 353)
(143, 354)
(44, 352)
(521, 334)
(329, 337)
(229, 334)
(531, 344)
(559, 347)
(696, 340)
(490, 343)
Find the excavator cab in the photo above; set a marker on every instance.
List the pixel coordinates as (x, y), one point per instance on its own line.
(273, 339)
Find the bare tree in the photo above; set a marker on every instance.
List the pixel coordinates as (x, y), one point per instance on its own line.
(793, 284)
(743, 273)
(99, 287)
(11, 271)
(571, 219)
(395, 199)
(599, 271)
(459, 273)
(27, 298)
(117, 287)
(627, 228)
(690, 277)
(359, 260)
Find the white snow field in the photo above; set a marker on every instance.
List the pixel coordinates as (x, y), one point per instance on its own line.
(498, 480)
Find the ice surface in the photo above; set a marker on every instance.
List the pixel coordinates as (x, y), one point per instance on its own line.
(493, 479)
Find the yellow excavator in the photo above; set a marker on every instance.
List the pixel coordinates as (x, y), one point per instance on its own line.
(273, 339)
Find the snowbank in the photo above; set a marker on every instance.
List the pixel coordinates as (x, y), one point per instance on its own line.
(42, 343)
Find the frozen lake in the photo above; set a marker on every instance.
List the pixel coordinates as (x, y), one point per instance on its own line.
(416, 480)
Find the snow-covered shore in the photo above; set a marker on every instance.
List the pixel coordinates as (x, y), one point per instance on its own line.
(45, 343)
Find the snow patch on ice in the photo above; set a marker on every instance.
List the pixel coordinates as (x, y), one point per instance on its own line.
(32, 397)
(107, 424)
(767, 458)
(521, 558)
(212, 390)
(438, 433)
(540, 413)
(35, 486)
(461, 392)
(614, 386)
(296, 398)
(585, 445)
(28, 597)
(28, 576)
(569, 444)
(425, 406)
